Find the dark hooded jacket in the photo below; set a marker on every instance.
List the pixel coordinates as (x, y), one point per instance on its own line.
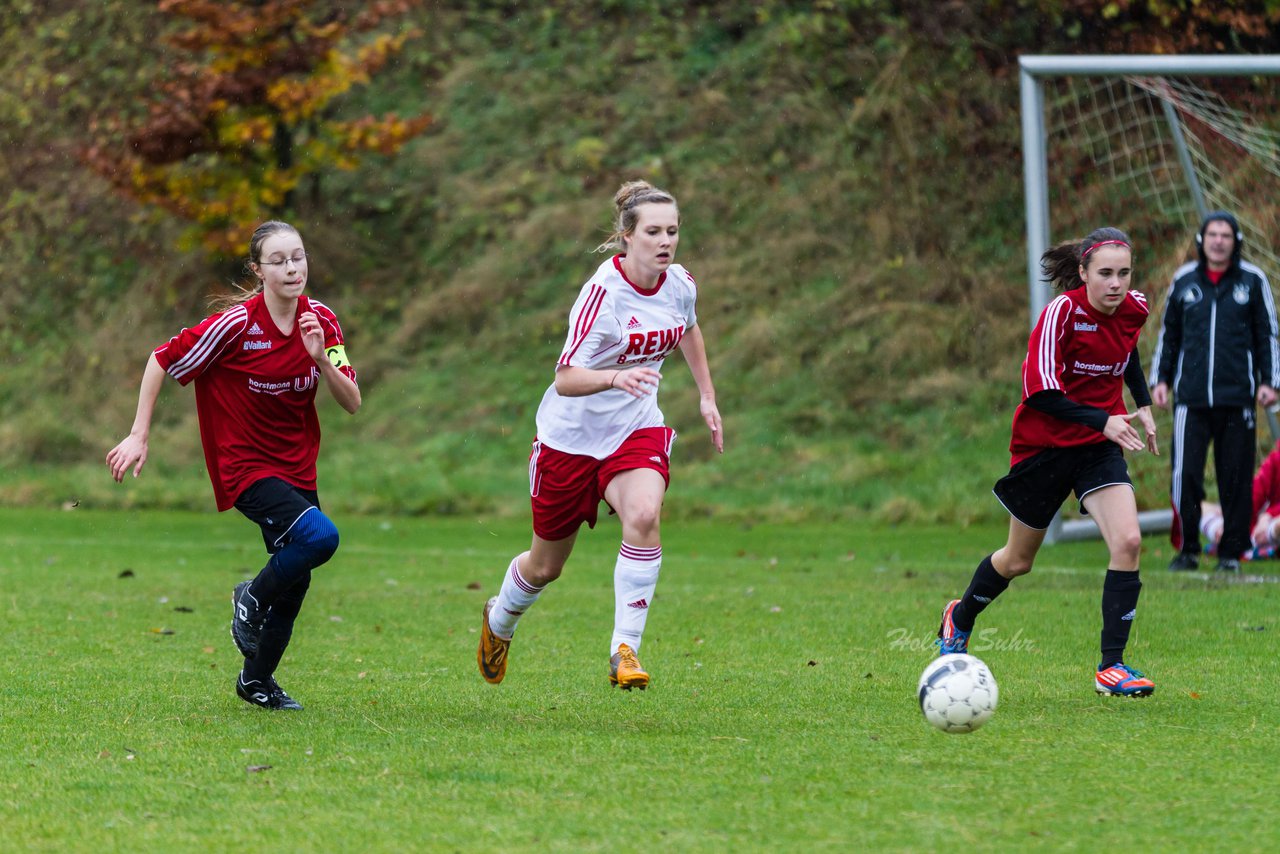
(1218, 342)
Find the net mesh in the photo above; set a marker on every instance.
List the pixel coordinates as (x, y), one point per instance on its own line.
(1113, 160)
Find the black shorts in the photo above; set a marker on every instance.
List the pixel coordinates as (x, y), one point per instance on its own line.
(276, 507)
(1035, 488)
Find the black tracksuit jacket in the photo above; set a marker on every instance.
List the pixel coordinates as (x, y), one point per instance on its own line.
(1217, 342)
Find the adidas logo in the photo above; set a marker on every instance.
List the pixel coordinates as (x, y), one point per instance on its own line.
(633, 323)
(1080, 310)
(1130, 615)
(655, 460)
(639, 604)
(254, 330)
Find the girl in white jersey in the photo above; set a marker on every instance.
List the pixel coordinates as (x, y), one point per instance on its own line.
(601, 434)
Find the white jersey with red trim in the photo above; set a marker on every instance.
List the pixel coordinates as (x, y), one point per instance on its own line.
(615, 324)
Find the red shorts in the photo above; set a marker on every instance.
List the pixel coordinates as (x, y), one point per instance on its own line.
(566, 489)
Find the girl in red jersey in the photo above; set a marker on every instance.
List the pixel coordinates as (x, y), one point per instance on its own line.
(257, 364)
(1069, 433)
(601, 434)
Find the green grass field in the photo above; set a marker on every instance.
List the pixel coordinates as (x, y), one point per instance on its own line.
(782, 714)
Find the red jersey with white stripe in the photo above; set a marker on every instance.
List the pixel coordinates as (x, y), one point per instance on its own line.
(255, 394)
(1081, 352)
(615, 324)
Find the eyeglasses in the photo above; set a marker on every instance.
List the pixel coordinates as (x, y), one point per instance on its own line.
(297, 260)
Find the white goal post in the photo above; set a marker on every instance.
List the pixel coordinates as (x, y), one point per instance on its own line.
(1170, 120)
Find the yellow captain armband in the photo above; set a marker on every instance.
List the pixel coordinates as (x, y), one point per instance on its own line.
(338, 356)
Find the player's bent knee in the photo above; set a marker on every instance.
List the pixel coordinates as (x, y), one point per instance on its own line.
(645, 518)
(318, 537)
(540, 575)
(1127, 548)
(326, 547)
(1016, 566)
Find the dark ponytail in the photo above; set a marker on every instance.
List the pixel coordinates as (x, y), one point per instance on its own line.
(1061, 264)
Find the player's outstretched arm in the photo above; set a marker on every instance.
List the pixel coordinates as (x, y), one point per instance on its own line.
(132, 451)
(695, 353)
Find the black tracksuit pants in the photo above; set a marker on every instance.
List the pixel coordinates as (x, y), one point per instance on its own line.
(1233, 432)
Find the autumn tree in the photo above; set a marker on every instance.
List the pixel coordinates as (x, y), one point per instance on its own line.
(1168, 26)
(246, 115)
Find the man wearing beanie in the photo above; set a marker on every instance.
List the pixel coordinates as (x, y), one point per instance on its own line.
(1217, 353)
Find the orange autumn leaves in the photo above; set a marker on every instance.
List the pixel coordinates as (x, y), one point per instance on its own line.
(247, 111)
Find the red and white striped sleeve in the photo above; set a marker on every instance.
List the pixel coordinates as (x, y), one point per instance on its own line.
(334, 343)
(193, 351)
(691, 299)
(1042, 371)
(587, 325)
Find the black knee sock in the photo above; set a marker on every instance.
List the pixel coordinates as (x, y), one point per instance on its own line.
(267, 585)
(986, 585)
(1119, 607)
(276, 631)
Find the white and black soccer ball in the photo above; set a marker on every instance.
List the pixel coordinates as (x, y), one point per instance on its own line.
(957, 693)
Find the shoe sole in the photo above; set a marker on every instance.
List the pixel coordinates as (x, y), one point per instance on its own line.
(296, 707)
(640, 682)
(1107, 692)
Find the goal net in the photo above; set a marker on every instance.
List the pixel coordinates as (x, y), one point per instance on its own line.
(1149, 145)
(1152, 155)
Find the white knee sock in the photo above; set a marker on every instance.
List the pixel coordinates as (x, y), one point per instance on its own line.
(635, 576)
(514, 599)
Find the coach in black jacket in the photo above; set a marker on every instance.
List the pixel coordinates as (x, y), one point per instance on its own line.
(1217, 349)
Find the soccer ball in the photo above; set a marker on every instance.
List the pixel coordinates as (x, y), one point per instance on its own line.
(957, 693)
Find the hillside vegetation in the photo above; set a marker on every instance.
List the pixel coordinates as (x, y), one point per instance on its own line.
(850, 181)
